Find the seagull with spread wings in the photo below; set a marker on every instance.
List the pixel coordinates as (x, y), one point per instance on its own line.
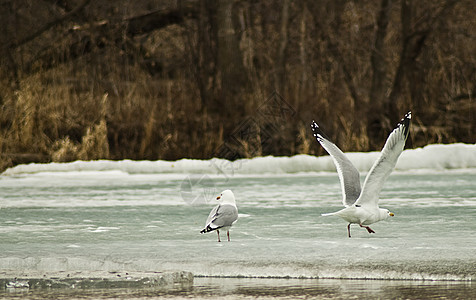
(361, 205)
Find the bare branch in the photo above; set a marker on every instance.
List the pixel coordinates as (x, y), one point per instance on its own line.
(47, 26)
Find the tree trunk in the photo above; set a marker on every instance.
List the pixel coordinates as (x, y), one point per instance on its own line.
(377, 110)
(231, 74)
(280, 72)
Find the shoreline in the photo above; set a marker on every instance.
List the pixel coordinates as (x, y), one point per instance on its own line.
(182, 285)
(154, 279)
(95, 279)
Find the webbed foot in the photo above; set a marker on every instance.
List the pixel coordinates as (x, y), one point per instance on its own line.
(368, 228)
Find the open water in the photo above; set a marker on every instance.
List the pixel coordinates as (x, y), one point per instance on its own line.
(146, 216)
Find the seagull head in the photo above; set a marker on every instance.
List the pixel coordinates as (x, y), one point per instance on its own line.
(226, 197)
(389, 213)
(385, 213)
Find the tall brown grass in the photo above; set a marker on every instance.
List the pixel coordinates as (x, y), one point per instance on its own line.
(91, 91)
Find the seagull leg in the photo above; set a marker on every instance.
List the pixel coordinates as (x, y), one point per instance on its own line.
(218, 233)
(368, 228)
(228, 234)
(348, 229)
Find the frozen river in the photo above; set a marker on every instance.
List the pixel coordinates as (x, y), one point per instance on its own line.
(146, 216)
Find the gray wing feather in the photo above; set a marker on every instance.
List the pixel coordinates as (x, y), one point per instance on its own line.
(348, 175)
(385, 164)
(222, 215)
(212, 215)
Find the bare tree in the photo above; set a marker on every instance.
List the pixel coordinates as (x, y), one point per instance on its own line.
(378, 108)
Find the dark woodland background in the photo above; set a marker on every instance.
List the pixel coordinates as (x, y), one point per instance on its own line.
(150, 79)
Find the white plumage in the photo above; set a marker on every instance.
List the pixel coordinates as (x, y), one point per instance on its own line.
(361, 205)
(222, 216)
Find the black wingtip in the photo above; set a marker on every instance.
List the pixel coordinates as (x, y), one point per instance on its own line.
(206, 229)
(314, 126)
(317, 131)
(209, 228)
(405, 122)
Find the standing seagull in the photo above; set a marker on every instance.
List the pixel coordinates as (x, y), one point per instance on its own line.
(361, 206)
(223, 216)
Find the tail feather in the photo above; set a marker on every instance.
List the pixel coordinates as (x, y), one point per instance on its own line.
(328, 214)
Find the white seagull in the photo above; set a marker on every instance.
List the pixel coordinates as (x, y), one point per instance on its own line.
(361, 206)
(222, 216)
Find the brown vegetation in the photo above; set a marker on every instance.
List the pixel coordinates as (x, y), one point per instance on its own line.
(83, 79)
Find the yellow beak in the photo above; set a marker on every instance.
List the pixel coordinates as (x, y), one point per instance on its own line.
(391, 214)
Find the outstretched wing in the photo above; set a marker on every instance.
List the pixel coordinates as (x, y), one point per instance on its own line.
(385, 164)
(348, 174)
